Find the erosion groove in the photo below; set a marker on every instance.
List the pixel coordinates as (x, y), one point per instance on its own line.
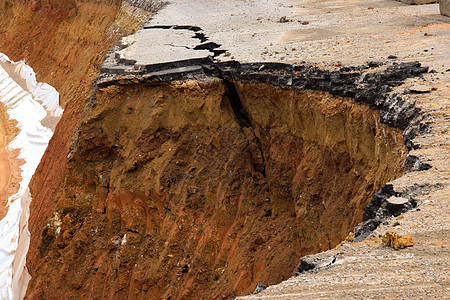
(244, 120)
(204, 188)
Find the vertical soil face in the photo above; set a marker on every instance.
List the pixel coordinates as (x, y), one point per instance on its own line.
(65, 42)
(201, 190)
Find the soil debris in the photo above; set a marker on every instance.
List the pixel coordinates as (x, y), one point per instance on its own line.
(397, 241)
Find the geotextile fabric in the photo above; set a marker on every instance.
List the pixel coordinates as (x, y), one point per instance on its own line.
(28, 104)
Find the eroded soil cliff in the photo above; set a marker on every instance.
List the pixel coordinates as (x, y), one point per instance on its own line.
(175, 190)
(187, 189)
(65, 42)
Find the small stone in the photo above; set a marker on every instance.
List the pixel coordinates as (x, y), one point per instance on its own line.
(392, 57)
(259, 288)
(283, 19)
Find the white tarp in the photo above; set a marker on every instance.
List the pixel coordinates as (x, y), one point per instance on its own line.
(28, 107)
(49, 98)
(27, 73)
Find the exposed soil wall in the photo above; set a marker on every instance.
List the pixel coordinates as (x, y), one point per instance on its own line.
(181, 190)
(65, 42)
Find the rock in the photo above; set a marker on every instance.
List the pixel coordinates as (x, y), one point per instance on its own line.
(259, 288)
(419, 89)
(413, 163)
(444, 6)
(385, 204)
(304, 266)
(284, 20)
(397, 241)
(308, 264)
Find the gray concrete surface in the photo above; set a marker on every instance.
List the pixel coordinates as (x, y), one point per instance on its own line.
(315, 31)
(154, 46)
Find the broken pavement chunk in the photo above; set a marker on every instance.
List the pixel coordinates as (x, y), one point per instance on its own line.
(420, 89)
(397, 200)
(444, 6)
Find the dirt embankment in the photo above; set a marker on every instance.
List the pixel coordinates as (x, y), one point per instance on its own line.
(65, 42)
(177, 190)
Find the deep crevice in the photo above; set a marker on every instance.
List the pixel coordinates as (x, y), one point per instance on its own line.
(177, 27)
(239, 111)
(201, 36)
(210, 46)
(244, 119)
(242, 116)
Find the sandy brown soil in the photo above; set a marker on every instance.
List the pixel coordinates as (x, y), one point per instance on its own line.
(65, 49)
(9, 164)
(4, 182)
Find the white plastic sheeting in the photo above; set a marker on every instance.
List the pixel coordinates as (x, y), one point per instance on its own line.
(28, 107)
(42, 92)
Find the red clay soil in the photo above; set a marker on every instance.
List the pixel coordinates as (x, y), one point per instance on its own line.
(65, 46)
(9, 164)
(167, 196)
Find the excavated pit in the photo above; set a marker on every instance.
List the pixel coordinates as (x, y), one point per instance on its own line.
(204, 186)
